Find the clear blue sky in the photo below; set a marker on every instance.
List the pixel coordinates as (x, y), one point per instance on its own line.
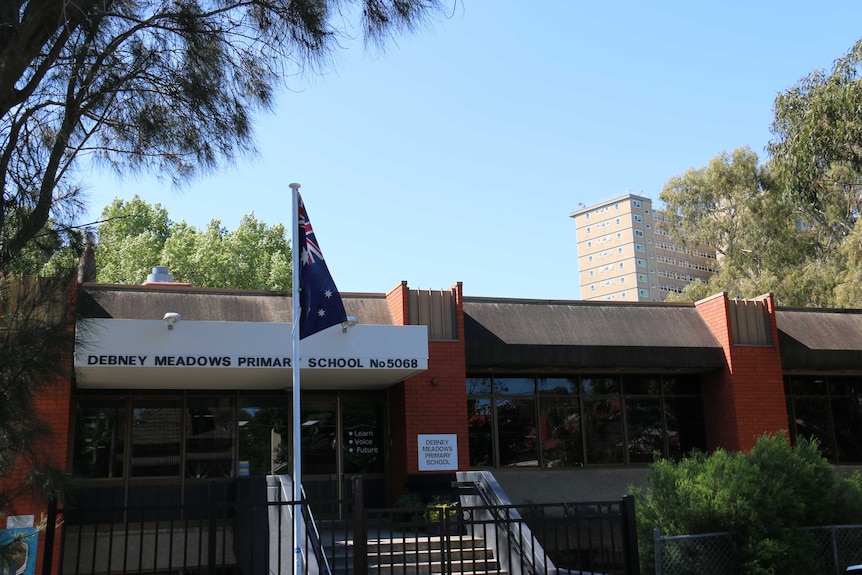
(459, 153)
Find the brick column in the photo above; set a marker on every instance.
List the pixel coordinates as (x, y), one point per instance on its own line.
(746, 399)
(434, 401)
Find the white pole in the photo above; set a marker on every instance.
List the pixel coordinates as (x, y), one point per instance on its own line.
(297, 438)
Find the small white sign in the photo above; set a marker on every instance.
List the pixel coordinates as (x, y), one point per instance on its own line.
(438, 452)
(20, 521)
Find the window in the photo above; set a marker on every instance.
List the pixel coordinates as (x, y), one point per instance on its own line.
(622, 279)
(181, 435)
(616, 206)
(643, 293)
(622, 265)
(637, 218)
(623, 296)
(639, 248)
(642, 278)
(618, 221)
(619, 250)
(592, 287)
(640, 263)
(591, 273)
(639, 233)
(564, 422)
(589, 244)
(828, 409)
(636, 203)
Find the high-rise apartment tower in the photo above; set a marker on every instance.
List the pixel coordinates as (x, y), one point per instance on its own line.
(624, 255)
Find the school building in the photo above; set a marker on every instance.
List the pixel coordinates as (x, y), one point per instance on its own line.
(174, 385)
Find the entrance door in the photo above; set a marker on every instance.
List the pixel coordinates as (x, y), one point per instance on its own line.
(343, 437)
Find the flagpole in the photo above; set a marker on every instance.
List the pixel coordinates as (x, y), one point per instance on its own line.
(297, 438)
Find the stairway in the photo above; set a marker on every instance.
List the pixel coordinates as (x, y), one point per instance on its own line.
(455, 554)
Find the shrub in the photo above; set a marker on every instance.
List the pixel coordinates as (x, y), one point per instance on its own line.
(761, 498)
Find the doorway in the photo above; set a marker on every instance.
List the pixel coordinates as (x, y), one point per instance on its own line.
(343, 436)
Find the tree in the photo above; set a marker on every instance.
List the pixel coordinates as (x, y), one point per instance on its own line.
(734, 205)
(816, 147)
(762, 498)
(134, 237)
(169, 86)
(165, 85)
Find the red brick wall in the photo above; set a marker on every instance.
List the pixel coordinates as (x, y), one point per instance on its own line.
(746, 399)
(434, 401)
(52, 408)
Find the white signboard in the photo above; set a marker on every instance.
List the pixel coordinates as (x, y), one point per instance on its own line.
(438, 452)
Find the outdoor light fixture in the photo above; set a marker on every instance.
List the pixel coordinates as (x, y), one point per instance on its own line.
(171, 318)
(350, 322)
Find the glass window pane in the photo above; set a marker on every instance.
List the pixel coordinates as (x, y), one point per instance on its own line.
(601, 385)
(264, 431)
(319, 426)
(514, 385)
(478, 386)
(645, 429)
(603, 426)
(686, 425)
(682, 385)
(516, 431)
(811, 421)
(558, 385)
(156, 438)
(561, 433)
(846, 386)
(642, 385)
(847, 422)
(479, 426)
(100, 426)
(210, 437)
(362, 424)
(808, 386)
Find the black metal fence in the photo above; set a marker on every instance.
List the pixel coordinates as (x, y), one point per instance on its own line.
(230, 528)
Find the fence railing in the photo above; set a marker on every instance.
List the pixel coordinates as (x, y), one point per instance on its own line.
(834, 548)
(229, 527)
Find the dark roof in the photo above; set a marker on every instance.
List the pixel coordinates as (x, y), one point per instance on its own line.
(506, 333)
(820, 339)
(201, 304)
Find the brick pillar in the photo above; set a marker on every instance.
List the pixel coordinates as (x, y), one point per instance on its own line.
(434, 401)
(745, 399)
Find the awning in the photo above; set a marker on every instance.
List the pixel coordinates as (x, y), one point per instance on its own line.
(146, 354)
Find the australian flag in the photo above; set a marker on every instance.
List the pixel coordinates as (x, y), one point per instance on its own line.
(319, 300)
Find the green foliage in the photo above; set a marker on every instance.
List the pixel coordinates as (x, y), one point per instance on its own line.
(135, 237)
(761, 498)
(170, 87)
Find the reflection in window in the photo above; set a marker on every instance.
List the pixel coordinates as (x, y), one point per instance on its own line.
(583, 420)
(99, 438)
(516, 429)
(263, 431)
(560, 426)
(156, 438)
(318, 425)
(812, 422)
(644, 428)
(479, 425)
(209, 437)
(829, 410)
(363, 438)
(603, 425)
